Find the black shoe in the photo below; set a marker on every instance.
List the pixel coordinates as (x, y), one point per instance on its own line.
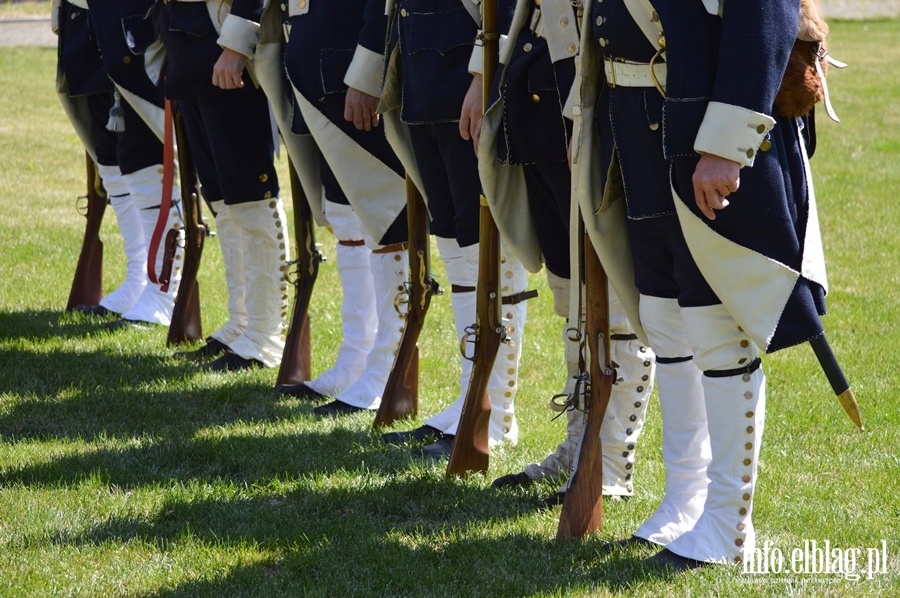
(123, 323)
(421, 434)
(555, 499)
(336, 409)
(627, 544)
(300, 390)
(210, 350)
(94, 310)
(666, 559)
(439, 450)
(231, 362)
(512, 480)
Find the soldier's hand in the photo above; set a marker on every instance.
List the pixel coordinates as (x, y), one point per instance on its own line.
(361, 109)
(714, 179)
(229, 69)
(472, 112)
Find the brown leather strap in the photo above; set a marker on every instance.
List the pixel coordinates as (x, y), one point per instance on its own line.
(392, 248)
(354, 243)
(519, 297)
(458, 288)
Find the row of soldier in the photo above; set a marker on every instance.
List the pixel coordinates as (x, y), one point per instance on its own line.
(366, 93)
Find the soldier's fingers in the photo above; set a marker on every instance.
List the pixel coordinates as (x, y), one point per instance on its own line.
(366, 120)
(464, 125)
(348, 110)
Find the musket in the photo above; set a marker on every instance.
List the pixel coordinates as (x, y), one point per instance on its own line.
(401, 392)
(836, 378)
(582, 509)
(470, 451)
(87, 283)
(186, 323)
(296, 361)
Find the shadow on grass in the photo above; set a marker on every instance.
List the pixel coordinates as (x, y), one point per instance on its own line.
(399, 534)
(46, 324)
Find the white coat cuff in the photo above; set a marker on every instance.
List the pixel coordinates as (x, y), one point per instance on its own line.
(240, 35)
(476, 61)
(366, 71)
(54, 16)
(732, 132)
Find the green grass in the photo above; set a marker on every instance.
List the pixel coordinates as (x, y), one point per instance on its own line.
(24, 8)
(124, 471)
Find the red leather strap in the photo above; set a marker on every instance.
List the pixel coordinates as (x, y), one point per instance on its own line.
(166, 201)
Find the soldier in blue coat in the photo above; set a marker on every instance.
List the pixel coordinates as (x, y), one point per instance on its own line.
(332, 52)
(230, 131)
(432, 106)
(526, 179)
(682, 159)
(116, 108)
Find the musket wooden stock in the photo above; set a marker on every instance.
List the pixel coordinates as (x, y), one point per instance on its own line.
(186, 323)
(87, 283)
(470, 451)
(401, 393)
(582, 510)
(296, 361)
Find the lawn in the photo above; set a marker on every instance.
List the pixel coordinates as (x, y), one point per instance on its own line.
(126, 471)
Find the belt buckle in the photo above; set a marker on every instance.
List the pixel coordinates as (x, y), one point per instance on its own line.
(611, 79)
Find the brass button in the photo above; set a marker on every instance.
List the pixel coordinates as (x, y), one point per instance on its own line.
(639, 389)
(745, 343)
(637, 405)
(740, 527)
(272, 205)
(537, 2)
(507, 418)
(765, 146)
(126, 59)
(302, 3)
(629, 432)
(748, 446)
(502, 259)
(748, 395)
(267, 195)
(647, 364)
(645, 377)
(564, 22)
(624, 453)
(739, 542)
(402, 12)
(263, 178)
(527, 47)
(602, 41)
(747, 462)
(507, 394)
(511, 371)
(631, 447)
(742, 511)
(749, 414)
(512, 384)
(654, 126)
(750, 153)
(746, 377)
(746, 479)
(599, 21)
(654, 17)
(662, 41)
(761, 129)
(283, 7)
(749, 429)
(629, 465)
(535, 98)
(632, 418)
(746, 496)
(571, 48)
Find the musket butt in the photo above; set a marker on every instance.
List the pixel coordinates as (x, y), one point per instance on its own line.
(848, 402)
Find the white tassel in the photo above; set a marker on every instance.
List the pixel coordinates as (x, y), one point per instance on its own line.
(116, 122)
